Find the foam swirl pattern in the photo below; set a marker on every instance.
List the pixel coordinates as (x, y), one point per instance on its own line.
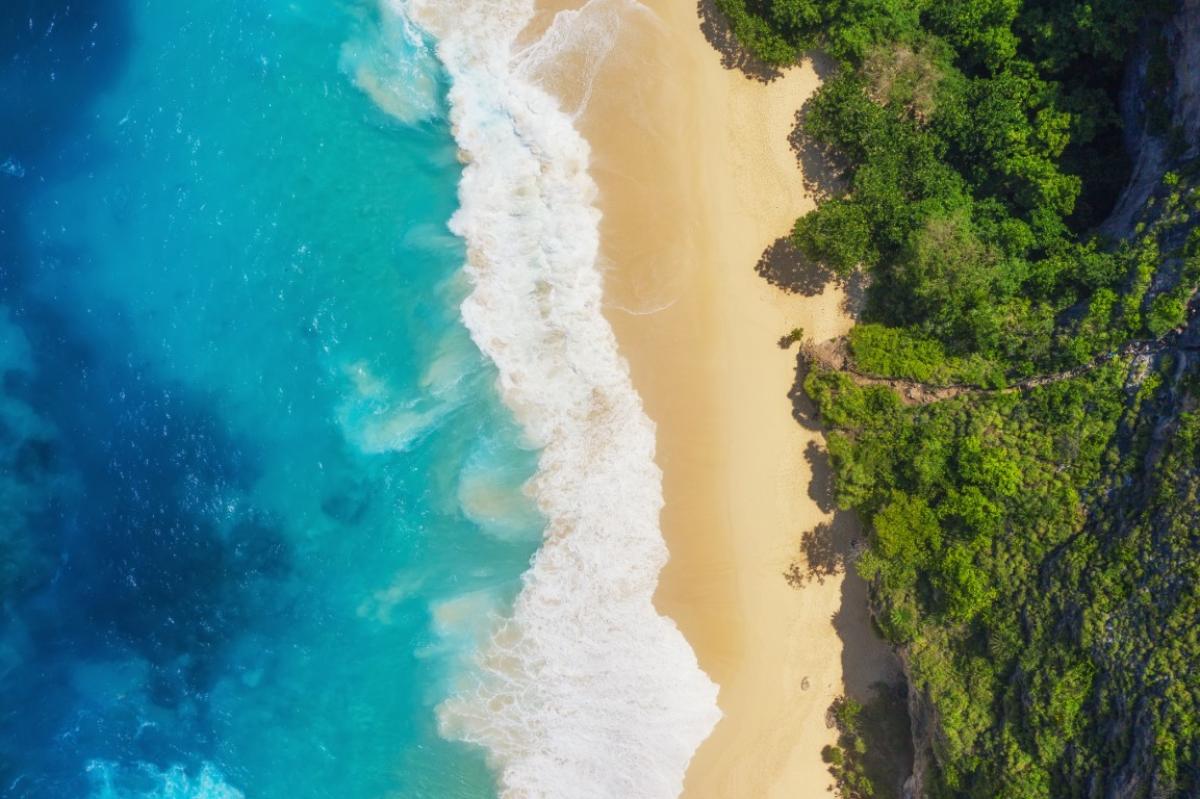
(585, 691)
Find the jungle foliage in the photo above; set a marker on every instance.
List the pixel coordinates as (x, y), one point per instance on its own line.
(980, 145)
(1034, 554)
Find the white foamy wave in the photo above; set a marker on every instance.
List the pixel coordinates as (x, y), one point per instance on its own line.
(491, 493)
(586, 691)
(461, 624)
(378, 419)
(144, 781)
(392, 65)
(568, 56)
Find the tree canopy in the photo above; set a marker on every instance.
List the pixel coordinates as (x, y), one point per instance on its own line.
(1032, 553)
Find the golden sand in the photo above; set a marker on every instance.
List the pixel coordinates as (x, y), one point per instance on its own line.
(697, 178)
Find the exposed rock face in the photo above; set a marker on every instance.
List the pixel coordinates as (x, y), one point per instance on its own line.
(1138, 775)
(922, 719)
(1152, 154)
(1183, 36)
(1149, 151)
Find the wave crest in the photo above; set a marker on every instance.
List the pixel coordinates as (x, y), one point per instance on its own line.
(586, 691)
(144, 781)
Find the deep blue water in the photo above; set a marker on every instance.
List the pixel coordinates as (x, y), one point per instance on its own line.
(257, 494)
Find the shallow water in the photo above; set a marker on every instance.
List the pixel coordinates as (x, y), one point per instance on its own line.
(587, 691)
(259, 500)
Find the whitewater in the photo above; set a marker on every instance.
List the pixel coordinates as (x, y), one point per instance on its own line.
(584, 690)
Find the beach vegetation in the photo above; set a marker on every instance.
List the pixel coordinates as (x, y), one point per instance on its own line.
(965, 134)
(873, 754)
(1008, 558)
(1031, 548)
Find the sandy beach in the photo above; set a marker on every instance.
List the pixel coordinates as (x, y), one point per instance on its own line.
(697, 179)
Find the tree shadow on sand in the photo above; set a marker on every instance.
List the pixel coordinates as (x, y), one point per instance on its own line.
(820, 488)
(782, 264)
(825, 552)
(789, 270)
(785, 267)
(717, 31)
(823, 169)
(855, 300)
(830, 547)
(875, 753)
(871, 672)
(803, 410)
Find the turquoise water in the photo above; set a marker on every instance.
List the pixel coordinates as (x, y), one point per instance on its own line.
(260, 498)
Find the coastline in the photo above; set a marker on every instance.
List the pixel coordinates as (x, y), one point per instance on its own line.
(584, 656)
(697, 179)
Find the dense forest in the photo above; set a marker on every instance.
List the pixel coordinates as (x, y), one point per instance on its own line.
(1034, 546)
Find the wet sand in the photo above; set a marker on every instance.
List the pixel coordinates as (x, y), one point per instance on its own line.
(697, 179)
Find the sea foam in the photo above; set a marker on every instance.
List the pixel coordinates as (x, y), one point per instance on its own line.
(585, 691)
(144, 781)
(390, 65)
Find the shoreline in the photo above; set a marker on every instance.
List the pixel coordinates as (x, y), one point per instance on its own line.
(697, 179)
(584, 656)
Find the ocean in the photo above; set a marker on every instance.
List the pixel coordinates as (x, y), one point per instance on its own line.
(322, 475)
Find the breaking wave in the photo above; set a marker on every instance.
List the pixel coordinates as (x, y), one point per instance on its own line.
(585, 691)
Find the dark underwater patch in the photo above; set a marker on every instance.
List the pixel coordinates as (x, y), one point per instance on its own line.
(116, 555)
